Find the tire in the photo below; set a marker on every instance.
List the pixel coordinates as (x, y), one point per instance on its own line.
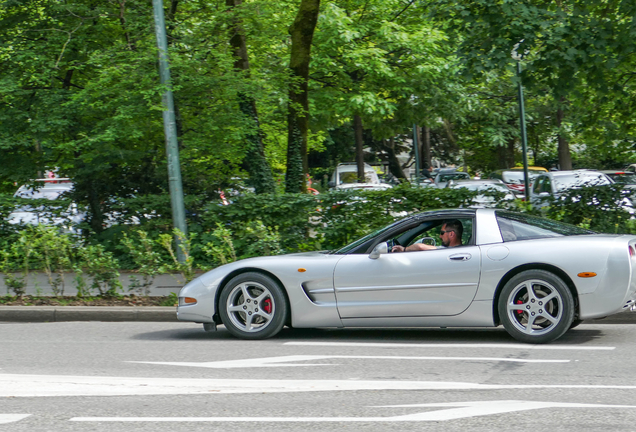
(253, 306)
(576, 323)
(536, 306)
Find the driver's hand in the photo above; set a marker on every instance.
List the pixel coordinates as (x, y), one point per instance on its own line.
(397, 248)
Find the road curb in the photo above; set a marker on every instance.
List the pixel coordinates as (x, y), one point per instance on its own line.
(87, 313)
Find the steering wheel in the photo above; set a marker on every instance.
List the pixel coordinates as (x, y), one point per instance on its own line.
(392, 242)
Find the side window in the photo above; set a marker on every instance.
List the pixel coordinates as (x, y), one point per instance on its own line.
(546, 187)
(432, 229)
(536, 188)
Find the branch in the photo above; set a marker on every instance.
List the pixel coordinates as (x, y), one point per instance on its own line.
(403, 10)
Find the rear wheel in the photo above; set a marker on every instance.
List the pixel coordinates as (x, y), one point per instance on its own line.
(253, 306)
(536, 306)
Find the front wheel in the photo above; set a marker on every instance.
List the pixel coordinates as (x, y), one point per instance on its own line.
(253, 306)
(536, 306)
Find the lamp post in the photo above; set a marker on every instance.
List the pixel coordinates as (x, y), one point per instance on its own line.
(522, 119)
(169, 126)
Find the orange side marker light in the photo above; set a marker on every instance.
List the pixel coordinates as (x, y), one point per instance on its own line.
(302, 270)
(189, 300)
(586, 274)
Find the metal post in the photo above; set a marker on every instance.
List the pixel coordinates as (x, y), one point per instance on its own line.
(417, 155)
(170, 129)
(524, 138)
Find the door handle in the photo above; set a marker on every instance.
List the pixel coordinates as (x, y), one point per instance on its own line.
(460, 257)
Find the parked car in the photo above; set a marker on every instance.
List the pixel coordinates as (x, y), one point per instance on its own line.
(514, 179)
(51, 189)
(622, 177)
(533, 168)
(444, 175)
(555, 184)
(535, 276)
(490, 189)
(345, 176)
(552, 184)
(67, 219)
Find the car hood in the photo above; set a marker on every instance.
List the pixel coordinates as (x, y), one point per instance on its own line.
(269, 263)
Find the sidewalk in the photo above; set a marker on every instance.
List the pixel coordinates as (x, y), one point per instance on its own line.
(87, 313)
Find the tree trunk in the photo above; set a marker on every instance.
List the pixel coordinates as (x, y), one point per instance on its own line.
(506, 155)
(565, 158)
(255, 163)
(357, 126)
(394, 164)
(302, 32)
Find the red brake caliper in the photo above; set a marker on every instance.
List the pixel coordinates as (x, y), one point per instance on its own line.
(519, 311)
(267, 305)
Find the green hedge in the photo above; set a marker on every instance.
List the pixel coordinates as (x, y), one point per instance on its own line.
(252, 225)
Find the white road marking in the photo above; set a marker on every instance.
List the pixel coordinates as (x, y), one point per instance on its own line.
(286, 361)
(12, 418)
(457, 410)
(51, 385)
(441, 345)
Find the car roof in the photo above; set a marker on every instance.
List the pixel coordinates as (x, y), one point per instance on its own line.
(535, 168)
(475, 181)
(570, 172)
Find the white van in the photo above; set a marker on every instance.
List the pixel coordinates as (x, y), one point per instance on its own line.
(346, 177)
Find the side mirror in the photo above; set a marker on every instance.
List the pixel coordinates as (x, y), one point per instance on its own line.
(379, 249)
(427, 241)
(331, 184)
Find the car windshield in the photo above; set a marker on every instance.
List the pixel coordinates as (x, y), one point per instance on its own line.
(581, 179)
(515, 226)
(516, 177)
(50, 193)
(358, 242)
(47, 193)
(352, 177)
(454, 176)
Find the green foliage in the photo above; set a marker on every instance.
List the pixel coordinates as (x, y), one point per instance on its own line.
(102, 267)
(600, 208)
(54, 251)
(147, 261)
(16, 262)
(221, 246)
(184, 243)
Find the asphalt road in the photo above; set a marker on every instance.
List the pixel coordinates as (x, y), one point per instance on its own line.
(161, 376)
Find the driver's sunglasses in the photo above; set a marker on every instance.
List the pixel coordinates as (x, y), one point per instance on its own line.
(442, 232)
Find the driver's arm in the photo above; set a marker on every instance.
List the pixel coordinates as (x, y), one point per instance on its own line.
(412, 248)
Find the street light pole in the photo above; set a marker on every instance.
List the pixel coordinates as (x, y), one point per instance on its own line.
(170, 129)
(522, 117)
(524, 138)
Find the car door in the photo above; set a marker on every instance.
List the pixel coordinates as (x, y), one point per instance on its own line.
(424, 283)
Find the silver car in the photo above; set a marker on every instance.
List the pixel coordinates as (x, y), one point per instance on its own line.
(490, 190)
(535, 276)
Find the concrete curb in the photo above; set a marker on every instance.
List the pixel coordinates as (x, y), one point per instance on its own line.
(87, 313)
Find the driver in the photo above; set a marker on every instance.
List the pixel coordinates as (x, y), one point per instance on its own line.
(451, 235)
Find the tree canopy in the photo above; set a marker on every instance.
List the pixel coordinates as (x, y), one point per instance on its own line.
(80, 91)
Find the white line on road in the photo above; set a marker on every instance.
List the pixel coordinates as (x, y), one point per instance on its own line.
(12, 418)
(457, 410)
(286, 361)
(420, 345)
(14, 385)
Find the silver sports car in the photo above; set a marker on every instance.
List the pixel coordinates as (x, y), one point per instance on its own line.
(535, 276)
